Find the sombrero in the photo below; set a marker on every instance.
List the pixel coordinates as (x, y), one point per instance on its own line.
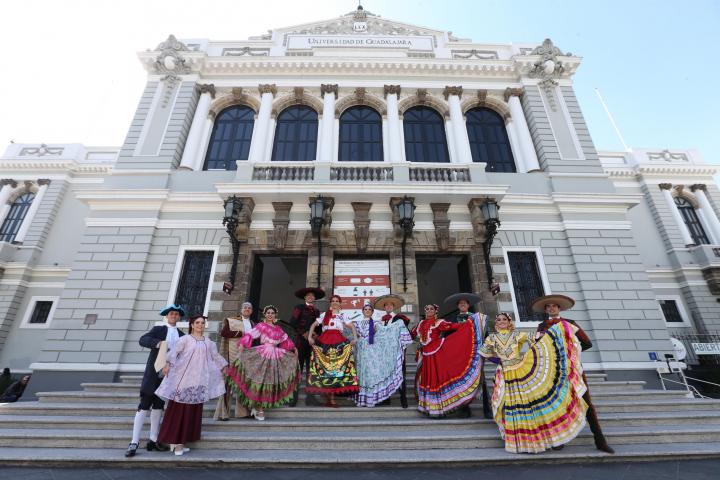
(395, 300)
(172, 308)
(471, 298)
(319, 292)
(565, 302)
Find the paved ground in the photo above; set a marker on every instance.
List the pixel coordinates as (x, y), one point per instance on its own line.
(673, 470)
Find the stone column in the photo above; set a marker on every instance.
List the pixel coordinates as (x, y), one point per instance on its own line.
(7, 187)
(684, 232)
(193, 143)
(392, 93)
(529, 155)
(262, 124)
(511, 128)
(327, 137)
(700, 193)
(457, 119)
(27, 221)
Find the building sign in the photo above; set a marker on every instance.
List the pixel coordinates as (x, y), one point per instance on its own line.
(359, 282)
(305, 42)
(706, 348)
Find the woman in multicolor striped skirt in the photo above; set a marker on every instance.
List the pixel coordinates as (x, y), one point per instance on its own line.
(537, 401)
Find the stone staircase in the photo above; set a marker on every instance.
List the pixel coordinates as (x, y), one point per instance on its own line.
(92, 427)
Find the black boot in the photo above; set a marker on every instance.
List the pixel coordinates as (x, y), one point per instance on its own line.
(132, 448)
(403, 395)
(157, 446)
(487, 408)
(464, 412)
(592, 420)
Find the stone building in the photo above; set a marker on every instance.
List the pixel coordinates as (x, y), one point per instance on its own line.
(361, 116)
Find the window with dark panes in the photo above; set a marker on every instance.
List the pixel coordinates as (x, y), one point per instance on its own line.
(691, 219)
(360, 135)
(194, 280)
(15, 216)
(527, 284)
(489, 141)
(425, 139)
(41, 312)
(670, 311)
(230, 139)
(296, 134)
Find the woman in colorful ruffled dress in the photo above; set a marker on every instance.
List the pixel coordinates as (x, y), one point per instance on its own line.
(265, 376)
(379, 355)
(449, 364)
(193, 375)
(332, 367)
(537, 401)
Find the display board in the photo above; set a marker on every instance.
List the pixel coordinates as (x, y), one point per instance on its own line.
(359, 282)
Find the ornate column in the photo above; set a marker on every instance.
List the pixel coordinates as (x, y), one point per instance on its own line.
(529, 155)
(7, 187)
(190, 159)
(258, 144)
(327, 137)
(392, 93)
(460, 136)
(684, 232)
(700, 192)
(27, 221)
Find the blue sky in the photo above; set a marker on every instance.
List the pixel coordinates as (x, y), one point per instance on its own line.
(70, 72)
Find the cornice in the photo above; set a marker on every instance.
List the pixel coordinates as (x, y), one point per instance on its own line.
(649, 170)
(64, 165)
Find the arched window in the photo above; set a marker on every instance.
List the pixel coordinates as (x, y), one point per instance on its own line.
(689, 215)
(360, 135)
(230, 139)
(296, 134)
(15, 217)
(425, 139)
(488, 140)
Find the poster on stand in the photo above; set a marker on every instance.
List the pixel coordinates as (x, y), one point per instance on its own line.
(359, 282)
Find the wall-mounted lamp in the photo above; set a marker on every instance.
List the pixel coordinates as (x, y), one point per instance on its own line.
(231, 220)
(406, 214)
(490, 214)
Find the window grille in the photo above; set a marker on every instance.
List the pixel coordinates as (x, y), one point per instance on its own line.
(489, 141)
(230, 139)
(360, 135)
(41, 312)
(296, 134)
(194, 280)
(692, 221)
(425, 139)
(15, 216)
(527, 284)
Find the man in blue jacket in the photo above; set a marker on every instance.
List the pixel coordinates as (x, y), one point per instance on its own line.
(151, 380)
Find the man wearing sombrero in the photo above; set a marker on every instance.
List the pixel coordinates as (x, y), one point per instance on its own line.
(390, 303)
(552, 305)
(160, 340)
(302, 317)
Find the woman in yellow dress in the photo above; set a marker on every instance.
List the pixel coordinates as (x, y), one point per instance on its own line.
(537, 401)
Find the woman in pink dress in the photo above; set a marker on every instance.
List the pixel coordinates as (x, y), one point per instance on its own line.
(265, 376)
(193, 375)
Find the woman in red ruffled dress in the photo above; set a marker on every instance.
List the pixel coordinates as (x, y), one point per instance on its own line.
(449, 363)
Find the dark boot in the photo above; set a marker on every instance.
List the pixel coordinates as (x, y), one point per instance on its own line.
(464, 412)
(592, 420)
(487, 407)
(132, 448)
(157, 446)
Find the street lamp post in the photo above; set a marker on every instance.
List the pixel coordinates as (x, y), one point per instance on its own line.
(231, 220)
(489, 210)
(317, 220)
(406, 213)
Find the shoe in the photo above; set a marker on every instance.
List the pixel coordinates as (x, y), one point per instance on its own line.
(259, 416)
(132, 448)
(181, 452)
(223, 419)
(464, 412)
(559, 447)
(160, 447)
(604, 447)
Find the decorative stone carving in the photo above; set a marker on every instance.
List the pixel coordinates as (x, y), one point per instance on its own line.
(668, 156)
(679, 189)
(421, 95)
(452, 91)
(267, 88)
(698, 186)
(360, 93)
(8, 181)
(329, 88)
(42, 151)
(712, 277)
(442, 225)
(665, 186)
(169, 61)
(547, 68)
(242, 230)
(478, 54)
(281, 223)
(477, 220)
(237, 93)
(362, 224)
(28, 185)
(513, 92)
(245, 51)
(299, 92)
(43, 181)
(391, 90)
(206, 88)
(482, 95)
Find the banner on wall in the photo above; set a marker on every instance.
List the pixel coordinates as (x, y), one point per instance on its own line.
(359, 282)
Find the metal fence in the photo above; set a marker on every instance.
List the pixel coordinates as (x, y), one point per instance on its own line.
(701, 348)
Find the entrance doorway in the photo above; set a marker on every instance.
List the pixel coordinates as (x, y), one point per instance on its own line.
(274, 281)
(440, 276)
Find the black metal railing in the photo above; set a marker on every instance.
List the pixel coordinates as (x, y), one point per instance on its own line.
(701, 348)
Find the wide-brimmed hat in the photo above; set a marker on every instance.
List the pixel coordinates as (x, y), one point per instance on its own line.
(471, 298)
(319, 292)
(173, 307)
(396, 301)
(563, 301)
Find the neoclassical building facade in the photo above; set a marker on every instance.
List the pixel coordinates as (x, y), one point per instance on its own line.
(363, 155)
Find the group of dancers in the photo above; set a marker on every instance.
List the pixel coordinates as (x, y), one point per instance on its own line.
(540, 398)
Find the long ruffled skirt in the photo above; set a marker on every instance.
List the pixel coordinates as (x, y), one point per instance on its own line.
(264, 376)
(538, 403)
(332, 368)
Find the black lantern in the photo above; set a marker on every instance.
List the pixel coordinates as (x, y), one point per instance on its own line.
(231, 220)
(406, 214)
(490, 212)
(317, 220)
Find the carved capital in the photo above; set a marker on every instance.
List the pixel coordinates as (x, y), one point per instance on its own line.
(391, 90)
(329, 88)
(513, 92)
(698, 186)
(267, 88)
(243, 227)
(454, 90)
(8, 181)
(43, 181)
(442, 225)
(281, 222)
(665, 186)
(206, 88)
(362, 224)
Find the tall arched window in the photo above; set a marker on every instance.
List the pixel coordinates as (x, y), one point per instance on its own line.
(489, 142)
(15, 217)
(360, 135)
(425, 139)
(230, 140)
(296, 134)
(692, 221)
